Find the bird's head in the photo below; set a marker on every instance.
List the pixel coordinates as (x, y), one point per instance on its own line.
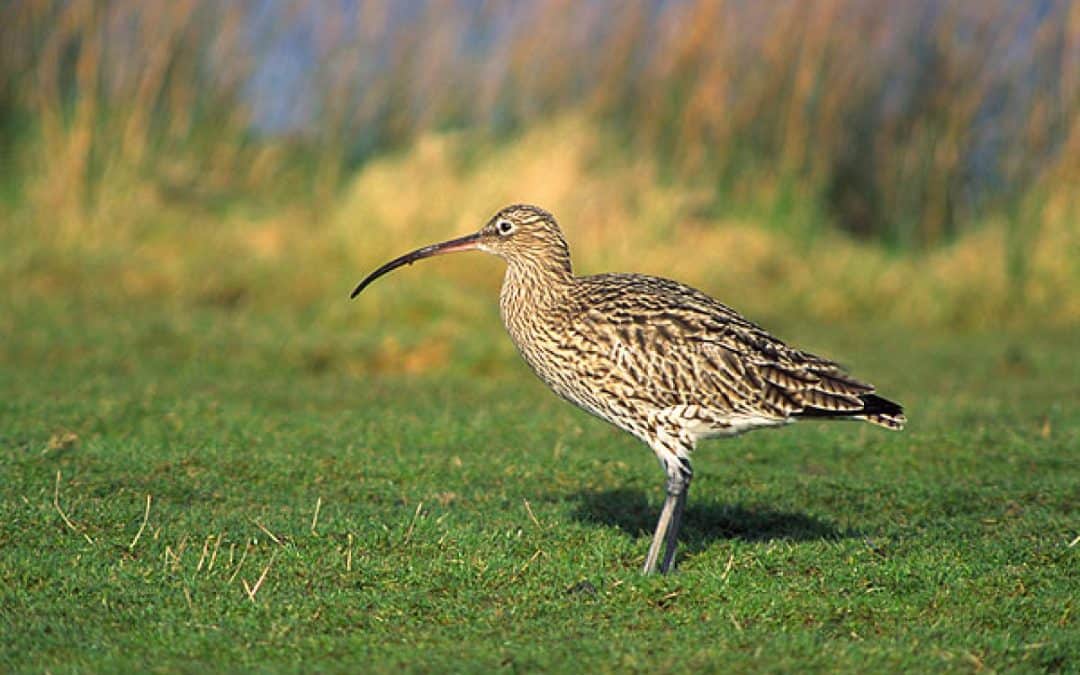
(521, 234)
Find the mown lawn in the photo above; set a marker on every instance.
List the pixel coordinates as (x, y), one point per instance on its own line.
(309, 514)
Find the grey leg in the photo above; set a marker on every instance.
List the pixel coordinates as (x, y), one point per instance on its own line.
(667, 528)
(662, 527)
(673, 531)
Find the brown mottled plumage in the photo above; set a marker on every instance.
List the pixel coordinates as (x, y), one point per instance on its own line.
(654, 357)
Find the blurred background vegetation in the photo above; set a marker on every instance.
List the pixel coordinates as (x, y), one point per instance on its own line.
(914, 162)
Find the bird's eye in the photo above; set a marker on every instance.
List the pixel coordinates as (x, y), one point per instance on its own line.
(504, 227)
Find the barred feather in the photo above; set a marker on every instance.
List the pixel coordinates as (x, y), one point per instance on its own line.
(628, 347)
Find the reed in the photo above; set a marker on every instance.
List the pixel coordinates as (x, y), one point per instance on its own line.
(906, 123)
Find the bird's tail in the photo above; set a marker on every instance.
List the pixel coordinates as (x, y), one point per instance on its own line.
(875, 410)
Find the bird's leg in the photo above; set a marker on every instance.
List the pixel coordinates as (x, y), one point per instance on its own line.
(658, 536)
(673, 530)
(667, 528)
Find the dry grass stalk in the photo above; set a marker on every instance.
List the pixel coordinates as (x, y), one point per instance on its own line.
(214, 552)
(525, 566)
(64, 516)
(268, 533)
(728, 567)
(412, 524)
(315, 516)
(175, 556)
(142, 526)
(532, 516)
(240, 565)
(252, 590)
(205, 552)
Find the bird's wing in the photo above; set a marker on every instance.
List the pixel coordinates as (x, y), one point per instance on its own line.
(671, 345)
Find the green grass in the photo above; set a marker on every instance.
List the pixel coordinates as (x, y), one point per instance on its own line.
(469, 520)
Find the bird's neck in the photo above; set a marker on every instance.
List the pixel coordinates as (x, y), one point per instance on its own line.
(531, 290)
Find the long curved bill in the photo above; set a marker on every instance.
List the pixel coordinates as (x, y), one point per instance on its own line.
(466, 243)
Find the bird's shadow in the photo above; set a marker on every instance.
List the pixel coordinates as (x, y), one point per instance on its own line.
(703, 522)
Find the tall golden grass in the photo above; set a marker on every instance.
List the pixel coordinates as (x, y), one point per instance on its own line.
(901, 121)
(940, 125)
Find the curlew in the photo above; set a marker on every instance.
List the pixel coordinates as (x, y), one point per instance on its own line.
(654, 357)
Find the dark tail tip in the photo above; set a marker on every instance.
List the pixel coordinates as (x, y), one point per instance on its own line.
(876, 405)
(876, 410)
